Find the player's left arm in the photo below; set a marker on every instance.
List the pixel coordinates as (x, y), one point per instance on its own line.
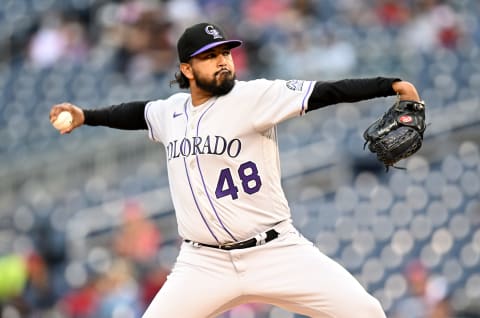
(354, 90)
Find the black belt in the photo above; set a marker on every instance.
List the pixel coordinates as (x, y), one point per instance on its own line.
(264, 238)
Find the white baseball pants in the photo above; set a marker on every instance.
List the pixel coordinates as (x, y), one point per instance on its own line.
(288, 272)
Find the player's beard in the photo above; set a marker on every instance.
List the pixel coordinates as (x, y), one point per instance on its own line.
(221, 84)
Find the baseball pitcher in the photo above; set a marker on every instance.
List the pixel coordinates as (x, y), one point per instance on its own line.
(239, 243)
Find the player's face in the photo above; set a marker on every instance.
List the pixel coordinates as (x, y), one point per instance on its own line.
(214, 70)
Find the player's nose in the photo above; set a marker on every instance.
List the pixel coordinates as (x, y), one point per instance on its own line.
(221, 60)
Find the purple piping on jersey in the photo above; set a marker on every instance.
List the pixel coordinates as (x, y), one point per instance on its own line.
(303, 101)
(185, 109)
(196, 203)
(203, 180)
(190, 184)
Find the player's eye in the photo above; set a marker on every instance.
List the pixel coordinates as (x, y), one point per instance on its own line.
(209, 55)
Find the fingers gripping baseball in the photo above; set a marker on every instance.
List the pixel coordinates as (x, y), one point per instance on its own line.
(65, 117)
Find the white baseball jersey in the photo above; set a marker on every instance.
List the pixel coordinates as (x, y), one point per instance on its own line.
(222, 157)
(224, 173)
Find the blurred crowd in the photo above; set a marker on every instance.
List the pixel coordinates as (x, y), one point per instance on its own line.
(135, 40)
(138, 37)
(119, 280)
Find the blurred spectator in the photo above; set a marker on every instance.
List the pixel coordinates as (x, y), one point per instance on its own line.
(428, 295)
(80, 302)
(39, 294)
(307, 8)
(392, 12)
(51, 256)
(434, 25)
(118, 292)
(438, 295)
(146, 49)
(184, 12)
(50, 242)
(265, 12)
(319, 54)
(138, 238)
(58, 39)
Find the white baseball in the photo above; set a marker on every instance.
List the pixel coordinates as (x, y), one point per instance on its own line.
(63, 121)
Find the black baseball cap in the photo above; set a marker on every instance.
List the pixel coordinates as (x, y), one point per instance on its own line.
(201, 37)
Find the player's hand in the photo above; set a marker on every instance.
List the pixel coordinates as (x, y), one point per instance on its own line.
(406, 91)
(78, 117)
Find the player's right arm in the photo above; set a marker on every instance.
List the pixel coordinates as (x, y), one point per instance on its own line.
(128, 116)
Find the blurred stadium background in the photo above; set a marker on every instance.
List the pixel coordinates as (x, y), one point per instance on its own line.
(86, 223)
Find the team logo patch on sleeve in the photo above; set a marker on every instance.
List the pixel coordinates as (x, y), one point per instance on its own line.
(295, 85)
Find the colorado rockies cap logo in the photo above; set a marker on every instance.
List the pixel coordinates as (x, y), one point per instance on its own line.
(210, 29)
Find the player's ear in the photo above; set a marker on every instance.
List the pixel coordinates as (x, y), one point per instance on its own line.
(186, 70)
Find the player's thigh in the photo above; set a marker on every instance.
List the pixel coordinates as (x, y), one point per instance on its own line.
(198, 286)
(302, 279)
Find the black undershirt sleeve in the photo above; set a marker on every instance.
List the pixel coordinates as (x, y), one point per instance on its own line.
(349, 91)
(127, 116)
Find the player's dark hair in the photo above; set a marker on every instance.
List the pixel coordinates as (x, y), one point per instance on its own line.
(181, 80)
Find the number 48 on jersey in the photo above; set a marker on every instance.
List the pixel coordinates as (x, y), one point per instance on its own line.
(248, 174)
